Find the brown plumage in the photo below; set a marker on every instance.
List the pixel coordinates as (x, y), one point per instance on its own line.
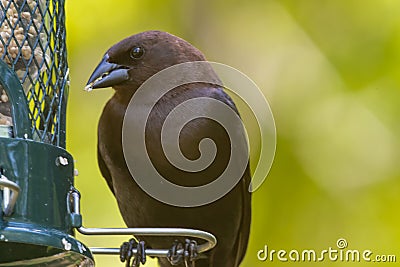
(227, 218)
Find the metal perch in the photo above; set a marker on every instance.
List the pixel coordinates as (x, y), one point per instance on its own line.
(210, 240)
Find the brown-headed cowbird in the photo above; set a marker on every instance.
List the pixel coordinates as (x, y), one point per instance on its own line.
(125, 67)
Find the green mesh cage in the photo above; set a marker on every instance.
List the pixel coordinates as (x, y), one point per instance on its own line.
(32, 43)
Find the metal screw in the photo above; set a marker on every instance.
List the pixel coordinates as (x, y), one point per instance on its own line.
(61, 161)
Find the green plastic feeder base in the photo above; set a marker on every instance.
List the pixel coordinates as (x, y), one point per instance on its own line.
(39, 231)
(29, 245)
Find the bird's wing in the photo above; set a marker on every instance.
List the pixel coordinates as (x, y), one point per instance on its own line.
(244, 233)
(244, 227)
(104, 170)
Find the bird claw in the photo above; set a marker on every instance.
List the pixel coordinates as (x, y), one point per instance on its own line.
(126, 253)
(173, 256)
(188, 256)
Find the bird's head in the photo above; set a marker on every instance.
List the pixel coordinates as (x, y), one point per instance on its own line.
(127, 64)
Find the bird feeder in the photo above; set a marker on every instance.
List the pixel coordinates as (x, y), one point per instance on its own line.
(36, 220)
(39, 205)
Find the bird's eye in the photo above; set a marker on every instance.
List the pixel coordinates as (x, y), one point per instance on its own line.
(137, 52)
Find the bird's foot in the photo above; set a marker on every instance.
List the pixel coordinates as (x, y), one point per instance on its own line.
(174, 257)
(190, 253)
(126, 253)
(186, 253)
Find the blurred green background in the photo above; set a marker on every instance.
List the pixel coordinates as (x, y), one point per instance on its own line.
(330, 70)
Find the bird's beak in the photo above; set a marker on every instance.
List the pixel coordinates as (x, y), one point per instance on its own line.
(107, 74)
